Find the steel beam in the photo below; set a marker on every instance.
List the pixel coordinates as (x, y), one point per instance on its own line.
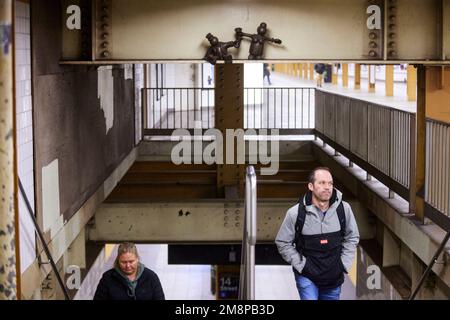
(187, 222)
(229, 114)
(175, 30)
(76, 42)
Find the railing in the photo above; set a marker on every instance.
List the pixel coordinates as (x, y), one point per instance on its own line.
(279, 108)
(437, 175)
(247, 272)
(375, 137)
(173, 108)
(264, 108)
(44, 244)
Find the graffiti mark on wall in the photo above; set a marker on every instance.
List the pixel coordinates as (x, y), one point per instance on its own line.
(5, 37)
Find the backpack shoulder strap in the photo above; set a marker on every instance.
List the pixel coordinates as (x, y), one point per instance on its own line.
(301, 215)
(341, 216)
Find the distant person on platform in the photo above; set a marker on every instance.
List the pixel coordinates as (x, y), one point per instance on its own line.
(319, 237)
(320, 70)
(129, 279)
(266, 67)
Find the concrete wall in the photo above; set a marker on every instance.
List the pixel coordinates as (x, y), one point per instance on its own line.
(83, 121)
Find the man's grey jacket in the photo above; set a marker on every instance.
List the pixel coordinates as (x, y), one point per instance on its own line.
(318, 223)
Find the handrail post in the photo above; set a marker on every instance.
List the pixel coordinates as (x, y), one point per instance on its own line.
(247, 272)
(412, 164)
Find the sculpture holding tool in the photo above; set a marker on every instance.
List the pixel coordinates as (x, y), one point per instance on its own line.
(258, 41)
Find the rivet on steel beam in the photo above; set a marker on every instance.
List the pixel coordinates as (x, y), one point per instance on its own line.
(392, 26)
(372, 54)
(392, 35)
(392, 53)
(105, 54)
(105, 36)
(391, 45)
(372, 44)
(238, 225)
(104, 45)
(238, 211)
(105, 26)
(372, 35)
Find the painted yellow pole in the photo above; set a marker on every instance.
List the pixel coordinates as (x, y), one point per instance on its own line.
(345, 75)
(371, 78)
(389, 81)
(357, 76)
(411, 83)
(8, 276)
(305, 71)
(334, 74)
(311, 71)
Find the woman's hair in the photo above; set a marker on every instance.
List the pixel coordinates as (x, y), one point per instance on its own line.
(126, 247)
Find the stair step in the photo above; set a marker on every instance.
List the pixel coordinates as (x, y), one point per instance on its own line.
(171, 176)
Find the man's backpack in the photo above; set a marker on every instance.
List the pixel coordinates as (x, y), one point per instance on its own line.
(301, 216)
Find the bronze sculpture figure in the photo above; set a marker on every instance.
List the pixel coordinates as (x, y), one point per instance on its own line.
(258, 41)
(219, 50)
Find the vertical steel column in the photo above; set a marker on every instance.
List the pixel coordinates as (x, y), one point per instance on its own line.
(420, 140)
(311, 71)
(357, 76)
(389, 84)
(371, 78)
(8, 289)
(345, 75)
(229, 110)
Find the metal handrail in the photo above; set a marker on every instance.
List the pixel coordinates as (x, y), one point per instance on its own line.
(44, 244)
(430, 266)
(247, 272)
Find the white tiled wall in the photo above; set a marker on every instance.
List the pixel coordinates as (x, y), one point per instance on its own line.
(24, 130)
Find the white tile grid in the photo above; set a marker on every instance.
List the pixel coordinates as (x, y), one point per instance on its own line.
(22, 25)
(24, 128)
(22, 9)
(23, 41)
(25, 167)
(23, 57)
(27, 237)
(23, 88)
(22, 73)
